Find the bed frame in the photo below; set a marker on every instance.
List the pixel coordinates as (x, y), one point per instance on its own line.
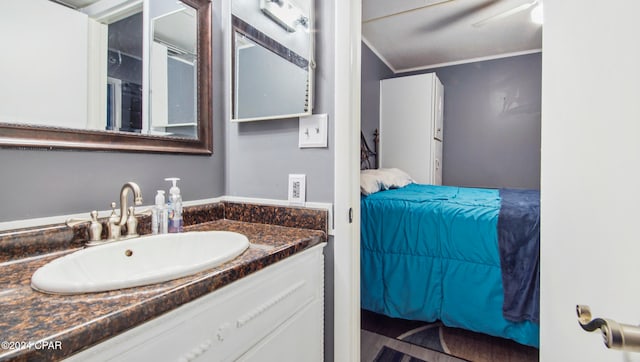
(366, 154)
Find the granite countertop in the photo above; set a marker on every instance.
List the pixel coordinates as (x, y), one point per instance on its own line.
(57, 326)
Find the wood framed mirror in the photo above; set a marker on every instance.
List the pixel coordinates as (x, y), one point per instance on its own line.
(18, 133)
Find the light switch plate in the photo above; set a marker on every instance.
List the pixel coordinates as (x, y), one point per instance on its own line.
(313, 131)
(297, 189)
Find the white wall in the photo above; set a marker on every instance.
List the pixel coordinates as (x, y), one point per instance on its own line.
(43, 64)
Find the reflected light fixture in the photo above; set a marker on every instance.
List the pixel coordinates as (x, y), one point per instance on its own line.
(285, 13)
(537, 14)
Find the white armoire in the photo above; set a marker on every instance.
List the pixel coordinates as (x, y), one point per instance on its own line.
(411, 115)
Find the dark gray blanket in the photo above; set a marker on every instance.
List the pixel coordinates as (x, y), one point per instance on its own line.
(519, 245)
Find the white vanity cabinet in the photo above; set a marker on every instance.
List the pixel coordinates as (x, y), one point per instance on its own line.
(275, 314)
(411, 126)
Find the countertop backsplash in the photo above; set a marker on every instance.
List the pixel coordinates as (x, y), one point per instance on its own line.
(39, 240)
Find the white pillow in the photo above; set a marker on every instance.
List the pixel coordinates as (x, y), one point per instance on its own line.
(394, 178)
(383, 179)
(369, 184)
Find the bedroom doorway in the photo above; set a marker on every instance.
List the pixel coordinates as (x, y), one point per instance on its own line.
(512, 105)
(586, 217)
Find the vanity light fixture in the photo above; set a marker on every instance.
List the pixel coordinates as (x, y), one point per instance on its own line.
(537, 14)
(286, 13)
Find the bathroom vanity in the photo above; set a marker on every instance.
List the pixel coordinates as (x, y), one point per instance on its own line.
(266, 304)
(272, 315)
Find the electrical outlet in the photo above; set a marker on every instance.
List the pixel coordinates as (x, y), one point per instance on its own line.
(297, 189)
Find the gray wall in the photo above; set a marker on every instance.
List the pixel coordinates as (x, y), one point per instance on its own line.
(373, 70)
(491, 121)
(39, 183)
(261, 155)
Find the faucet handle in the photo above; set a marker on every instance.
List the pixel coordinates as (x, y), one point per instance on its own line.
(113, 230)
(132, 223)
(95, 229)
(113, 209)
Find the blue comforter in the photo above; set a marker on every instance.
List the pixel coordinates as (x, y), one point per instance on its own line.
(431, 253)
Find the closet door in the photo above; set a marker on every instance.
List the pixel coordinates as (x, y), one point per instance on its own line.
(406, 135)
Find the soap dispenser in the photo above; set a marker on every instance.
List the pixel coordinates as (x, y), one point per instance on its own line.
(174, 206)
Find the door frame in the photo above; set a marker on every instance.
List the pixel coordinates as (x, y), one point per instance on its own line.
(347, 59)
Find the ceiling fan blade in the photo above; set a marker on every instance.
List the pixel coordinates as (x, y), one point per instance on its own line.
(506, 14)
(430, 4)
(461, 15)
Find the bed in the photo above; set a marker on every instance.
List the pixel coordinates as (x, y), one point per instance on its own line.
(468, 257)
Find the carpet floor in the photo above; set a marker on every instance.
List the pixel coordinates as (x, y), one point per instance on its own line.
(448, 342)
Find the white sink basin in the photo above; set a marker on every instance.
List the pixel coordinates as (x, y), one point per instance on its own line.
(140, 261)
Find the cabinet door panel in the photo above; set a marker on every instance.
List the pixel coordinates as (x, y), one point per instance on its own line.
(437, 162)
(438, 100)
(295, 340)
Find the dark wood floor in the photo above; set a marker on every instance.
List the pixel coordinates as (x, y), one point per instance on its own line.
(472, 346)
(372, 345)
(387, 326)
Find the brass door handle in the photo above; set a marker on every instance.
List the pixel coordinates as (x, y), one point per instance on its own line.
(616, 335)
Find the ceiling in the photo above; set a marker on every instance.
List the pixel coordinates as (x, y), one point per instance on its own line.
(76, 4)
(420, 34)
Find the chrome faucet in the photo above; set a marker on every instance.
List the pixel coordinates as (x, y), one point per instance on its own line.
(128, 217)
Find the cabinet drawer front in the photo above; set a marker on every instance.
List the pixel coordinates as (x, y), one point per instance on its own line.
(225, 323)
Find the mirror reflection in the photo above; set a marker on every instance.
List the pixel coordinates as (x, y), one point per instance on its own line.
(124, 77)
(101, 65)
(272, 59)
(173, 69)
